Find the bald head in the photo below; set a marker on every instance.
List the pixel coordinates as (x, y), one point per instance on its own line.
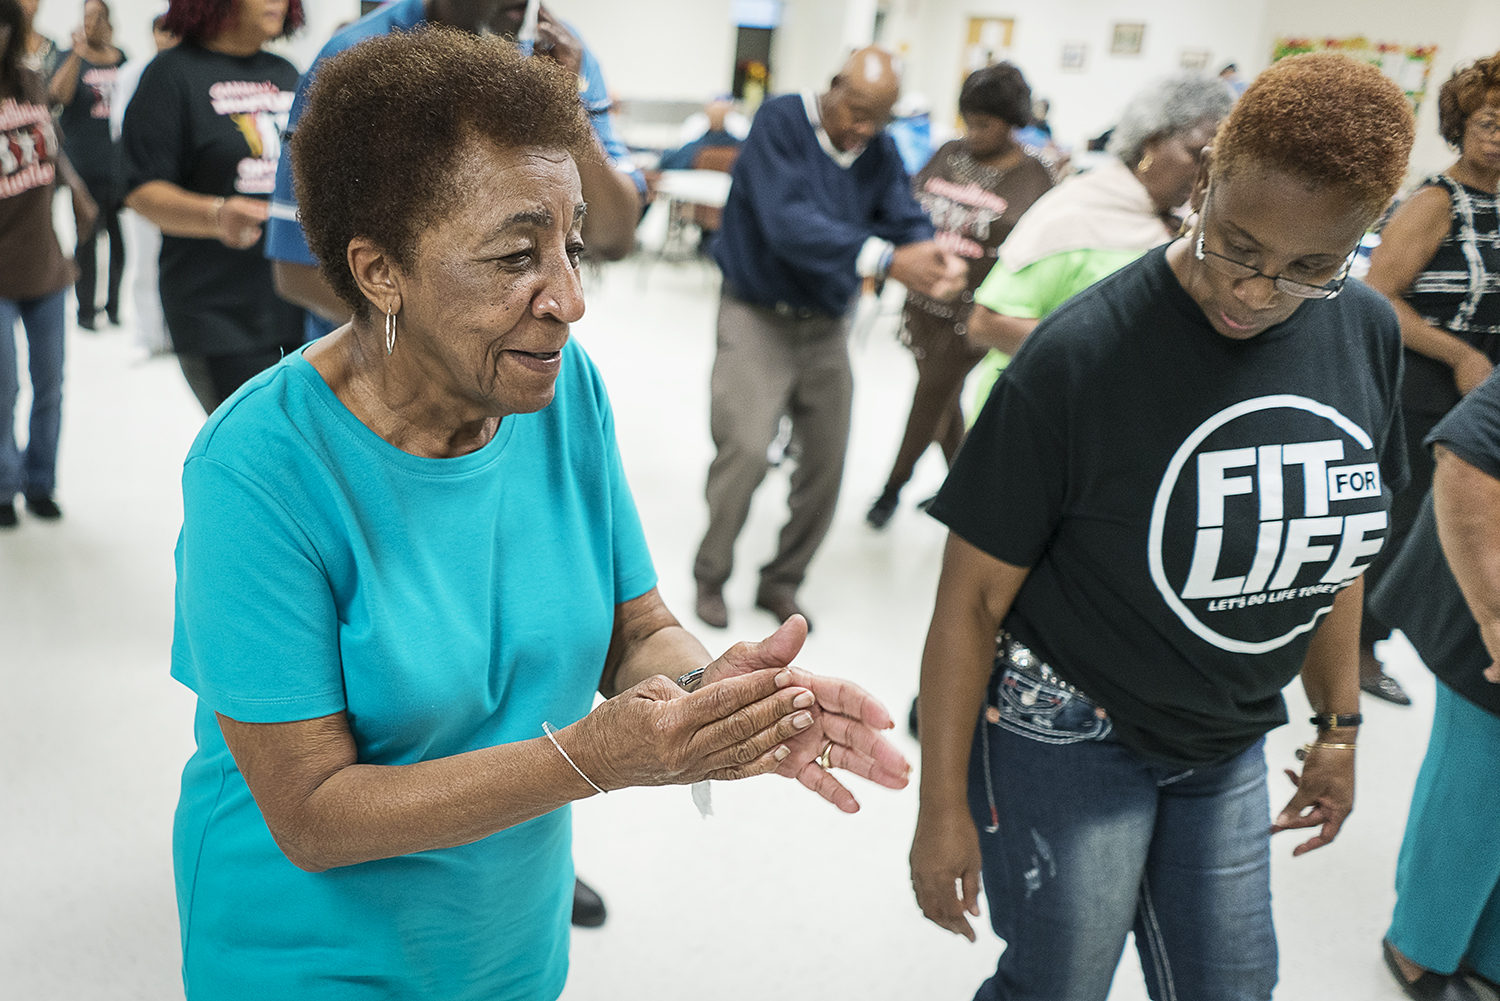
(858, 104)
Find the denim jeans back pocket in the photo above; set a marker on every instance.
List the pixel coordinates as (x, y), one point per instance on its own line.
(1046, 711)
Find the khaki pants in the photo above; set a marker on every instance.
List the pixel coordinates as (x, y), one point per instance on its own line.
(769, 365)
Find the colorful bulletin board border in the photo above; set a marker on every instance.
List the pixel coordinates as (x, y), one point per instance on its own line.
(1408, 65)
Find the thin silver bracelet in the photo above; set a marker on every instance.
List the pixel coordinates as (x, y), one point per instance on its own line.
(549, 730)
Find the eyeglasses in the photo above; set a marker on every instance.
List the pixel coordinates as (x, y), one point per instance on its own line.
(1239, 271)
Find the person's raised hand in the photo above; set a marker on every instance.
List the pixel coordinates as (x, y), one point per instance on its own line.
(657, 734)
(555, 41)
(945, 868)
(847, 720)
(1325, 796)
(929, 269)
(238, 221)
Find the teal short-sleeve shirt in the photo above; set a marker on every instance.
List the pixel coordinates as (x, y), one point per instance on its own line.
(444, 604)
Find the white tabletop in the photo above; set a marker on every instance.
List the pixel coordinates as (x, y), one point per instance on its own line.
(699, 187)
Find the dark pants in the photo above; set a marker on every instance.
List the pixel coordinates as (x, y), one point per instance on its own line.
(87, 256)
(214, 378)
(1088, 842)
(945, 356)
(769, 366)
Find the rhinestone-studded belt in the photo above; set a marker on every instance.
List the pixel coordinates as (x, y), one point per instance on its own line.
(1012, 653)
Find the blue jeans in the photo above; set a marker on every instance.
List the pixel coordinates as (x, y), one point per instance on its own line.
(35, 472)
(1087, 840)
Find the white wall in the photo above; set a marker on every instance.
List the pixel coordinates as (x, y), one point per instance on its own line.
(657, 49)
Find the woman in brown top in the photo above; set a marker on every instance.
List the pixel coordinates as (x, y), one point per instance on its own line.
(974, 189)
(34, 274)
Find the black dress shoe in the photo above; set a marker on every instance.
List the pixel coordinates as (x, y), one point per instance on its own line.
(783, 606)
(8, 517)
(87, 323)
(1429, 986)
(884, 507)
(588, 906)
(1383, 686)
(43, 507)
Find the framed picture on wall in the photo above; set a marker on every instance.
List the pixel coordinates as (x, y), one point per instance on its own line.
(1194, 59)
(1075, 56)
(1127, 39)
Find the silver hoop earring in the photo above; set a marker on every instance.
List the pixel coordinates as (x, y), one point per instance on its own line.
(390, 331)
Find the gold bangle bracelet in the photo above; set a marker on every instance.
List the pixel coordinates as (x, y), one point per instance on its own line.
(1329, 746)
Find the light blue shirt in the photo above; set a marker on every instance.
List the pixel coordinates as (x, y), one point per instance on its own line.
(445, 605)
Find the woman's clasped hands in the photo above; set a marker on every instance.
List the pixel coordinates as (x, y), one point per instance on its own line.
(754, 713)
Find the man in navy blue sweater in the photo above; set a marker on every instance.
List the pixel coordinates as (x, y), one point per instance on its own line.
(820, 201)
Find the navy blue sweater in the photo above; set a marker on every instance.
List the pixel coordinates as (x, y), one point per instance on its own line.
(796, 220)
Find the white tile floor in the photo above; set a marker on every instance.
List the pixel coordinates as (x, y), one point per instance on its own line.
(776, 894)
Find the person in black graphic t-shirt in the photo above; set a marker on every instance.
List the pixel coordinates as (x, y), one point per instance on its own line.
(84, 85)
(201, 137)
(1158, 520)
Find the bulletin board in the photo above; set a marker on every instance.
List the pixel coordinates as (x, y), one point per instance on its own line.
(1409, 65)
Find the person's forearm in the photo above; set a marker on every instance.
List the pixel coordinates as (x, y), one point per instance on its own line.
(358, 812)
(671, 651)
(64, 82)
(614, 210)
(1467, 504)
(1330, 672)
(176, 211)
(997, 330)
(1425, 339)
(304, 285)
(956, 665)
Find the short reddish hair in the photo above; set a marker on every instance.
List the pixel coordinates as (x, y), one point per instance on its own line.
(1464, 93)
(200, 21)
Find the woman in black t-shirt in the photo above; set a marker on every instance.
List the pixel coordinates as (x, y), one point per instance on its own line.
(84, 85)
(201, 137)
(1158, 520)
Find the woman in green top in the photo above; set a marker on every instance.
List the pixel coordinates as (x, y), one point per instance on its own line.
(1096, 222)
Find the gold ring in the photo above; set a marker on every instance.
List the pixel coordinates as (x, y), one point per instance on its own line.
(825, 761)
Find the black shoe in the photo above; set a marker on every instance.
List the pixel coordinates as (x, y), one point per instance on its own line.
(926, 504)
(8, 517)
(1429, 986)
(1383, 686)
(114, 316)
(911, 720)
(880, 512)
(87, 323)
(783, 606)
(43, 507)
(588, 906)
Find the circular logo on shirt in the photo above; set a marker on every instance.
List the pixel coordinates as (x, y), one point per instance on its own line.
(1268, 509)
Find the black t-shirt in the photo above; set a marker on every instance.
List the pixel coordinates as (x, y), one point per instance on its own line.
(1188, 504)
(1418, 593)
(212, 123)
(85, 121)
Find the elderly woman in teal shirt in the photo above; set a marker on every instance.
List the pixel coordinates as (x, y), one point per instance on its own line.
(409, 550)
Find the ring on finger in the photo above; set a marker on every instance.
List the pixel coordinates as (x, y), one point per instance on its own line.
(825, 760)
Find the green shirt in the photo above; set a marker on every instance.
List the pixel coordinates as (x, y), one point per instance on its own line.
(1035, 291)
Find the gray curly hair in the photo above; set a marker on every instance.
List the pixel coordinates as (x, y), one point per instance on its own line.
(1166, 108)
